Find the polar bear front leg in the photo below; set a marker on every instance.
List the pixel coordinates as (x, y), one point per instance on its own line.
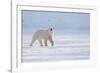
(45, 42)
(51, 40)
(40, 41)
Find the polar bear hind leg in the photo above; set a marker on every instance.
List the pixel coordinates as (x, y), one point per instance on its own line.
(33, 40)
(51, 40)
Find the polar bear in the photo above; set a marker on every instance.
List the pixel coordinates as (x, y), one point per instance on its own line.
(43, 36)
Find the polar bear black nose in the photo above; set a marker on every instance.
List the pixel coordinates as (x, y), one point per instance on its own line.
(51, 29)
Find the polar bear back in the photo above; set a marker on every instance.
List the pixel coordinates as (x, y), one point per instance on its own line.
(42, 34)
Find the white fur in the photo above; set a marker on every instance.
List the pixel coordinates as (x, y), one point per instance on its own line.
(44, 35)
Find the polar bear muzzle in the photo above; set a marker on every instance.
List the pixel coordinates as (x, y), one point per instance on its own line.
(51, 29)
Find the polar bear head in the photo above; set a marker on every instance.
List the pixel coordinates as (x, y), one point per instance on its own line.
(51, 29)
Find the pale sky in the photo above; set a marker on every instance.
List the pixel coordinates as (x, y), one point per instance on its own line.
(62, 22)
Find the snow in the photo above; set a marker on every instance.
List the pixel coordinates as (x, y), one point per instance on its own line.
(67, 47)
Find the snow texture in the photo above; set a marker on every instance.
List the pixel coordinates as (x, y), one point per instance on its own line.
(67, 47)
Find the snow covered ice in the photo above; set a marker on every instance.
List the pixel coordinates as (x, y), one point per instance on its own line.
(71, 47)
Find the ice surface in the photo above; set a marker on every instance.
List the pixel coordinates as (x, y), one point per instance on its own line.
(69, 47)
